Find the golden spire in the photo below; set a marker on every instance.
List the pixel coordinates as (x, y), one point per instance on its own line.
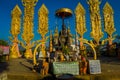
(16, 11)
(51, 45)
(108, 21)
(70, 39)
(43, 21)
(68, 31)
(80, 20)
(96, 32)
(28, 34)
(56, 33)
(107, 8)
(80, 8)
(15, 24)
(15, 30)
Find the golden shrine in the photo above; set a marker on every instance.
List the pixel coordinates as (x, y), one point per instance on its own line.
(64, 37)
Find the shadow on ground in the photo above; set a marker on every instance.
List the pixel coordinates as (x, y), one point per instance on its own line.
(3, 66)
(30, 68)
(48, 77)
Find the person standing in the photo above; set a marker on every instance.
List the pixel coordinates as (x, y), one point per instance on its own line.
(83, 68)
(52, 55)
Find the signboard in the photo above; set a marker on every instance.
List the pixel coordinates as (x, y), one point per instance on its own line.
(5, 50)
(66, 68)
(95, 67)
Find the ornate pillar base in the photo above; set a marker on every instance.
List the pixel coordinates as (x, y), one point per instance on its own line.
(14, 53)
(28, 54)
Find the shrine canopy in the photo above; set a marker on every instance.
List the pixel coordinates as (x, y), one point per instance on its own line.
(63, 13)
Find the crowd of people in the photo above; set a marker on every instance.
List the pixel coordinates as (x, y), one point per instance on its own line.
(59, 56)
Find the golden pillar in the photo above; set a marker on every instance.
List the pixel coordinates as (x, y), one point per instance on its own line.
(80, 22)
(70, 39)
(96, 32)
(43, 26)
(15, 30)
(108, 21)
(27, 34)
(51, 43)
(56, 35)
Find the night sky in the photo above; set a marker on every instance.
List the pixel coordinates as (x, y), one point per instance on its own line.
(6, 7)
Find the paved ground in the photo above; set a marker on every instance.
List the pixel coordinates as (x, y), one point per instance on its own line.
(110, 65)
(110, 68)
(21, 69)
(18, 69)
